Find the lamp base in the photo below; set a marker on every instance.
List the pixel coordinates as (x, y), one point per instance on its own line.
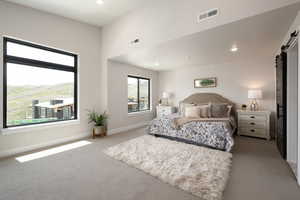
(254, 106)
(165, 102)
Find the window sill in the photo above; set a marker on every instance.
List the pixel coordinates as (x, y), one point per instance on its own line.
(140, 113)
(36, 127)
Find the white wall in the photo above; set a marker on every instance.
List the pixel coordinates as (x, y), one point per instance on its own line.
(298, 143)
(292, 105)
(171, 19)
(58, 32)
(295, 26)
(118, 93)
(233, 81)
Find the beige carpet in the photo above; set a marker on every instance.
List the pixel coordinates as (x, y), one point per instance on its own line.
(86, 173)
(198, 170)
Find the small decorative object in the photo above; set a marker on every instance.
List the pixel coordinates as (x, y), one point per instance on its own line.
(205, 83)
(244, 107)
(159, 102)
(99, 120)
(254, 95)
(166, 96)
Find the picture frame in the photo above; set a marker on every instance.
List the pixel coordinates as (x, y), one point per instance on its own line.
(205, 82)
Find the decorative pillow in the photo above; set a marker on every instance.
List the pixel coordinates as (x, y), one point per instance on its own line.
(229, 110)
(182, 107)
(192, 112)
(197, 111)
(204, 111)
(221, 110)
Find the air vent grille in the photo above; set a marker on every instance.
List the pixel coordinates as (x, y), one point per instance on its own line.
(208, 14)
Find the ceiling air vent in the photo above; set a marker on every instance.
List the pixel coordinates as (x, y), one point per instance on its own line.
(208, 14)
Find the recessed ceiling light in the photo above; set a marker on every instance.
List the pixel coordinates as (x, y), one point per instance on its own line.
(100, 2)
(234, 49)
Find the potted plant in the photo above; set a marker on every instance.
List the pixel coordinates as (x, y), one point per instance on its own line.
(99, 120)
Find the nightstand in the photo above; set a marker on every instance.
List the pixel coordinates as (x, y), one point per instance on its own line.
(164, 110)
(254, 123)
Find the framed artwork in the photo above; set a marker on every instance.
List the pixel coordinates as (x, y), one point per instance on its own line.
(205, 82)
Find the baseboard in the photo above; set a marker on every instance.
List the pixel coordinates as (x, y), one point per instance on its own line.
(127, 128)
(293, 167)
(20, 150)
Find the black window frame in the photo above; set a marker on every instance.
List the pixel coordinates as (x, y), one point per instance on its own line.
(138, 93)
(38, 64)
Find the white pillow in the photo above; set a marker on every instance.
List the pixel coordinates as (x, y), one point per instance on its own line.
(182, 107)
(204, 111)
(192, 112)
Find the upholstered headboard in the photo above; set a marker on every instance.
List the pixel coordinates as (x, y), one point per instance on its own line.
(203, 98)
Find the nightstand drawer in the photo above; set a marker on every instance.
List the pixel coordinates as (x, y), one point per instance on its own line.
(258, 132)
(162, 111)
(252, 117)
(252, 124)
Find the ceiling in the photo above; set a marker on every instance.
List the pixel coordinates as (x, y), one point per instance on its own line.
(87, 11)
(257, 37)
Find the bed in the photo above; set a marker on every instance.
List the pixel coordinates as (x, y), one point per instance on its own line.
(215, 133)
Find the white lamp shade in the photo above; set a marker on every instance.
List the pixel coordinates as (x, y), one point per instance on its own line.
(165, 95)
(254, 94)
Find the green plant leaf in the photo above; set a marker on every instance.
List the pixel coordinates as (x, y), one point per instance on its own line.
(96, 118)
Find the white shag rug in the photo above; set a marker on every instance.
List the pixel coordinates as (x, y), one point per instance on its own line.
(201, 171)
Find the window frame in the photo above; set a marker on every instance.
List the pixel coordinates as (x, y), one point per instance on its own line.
(39, 64)
(138, 93)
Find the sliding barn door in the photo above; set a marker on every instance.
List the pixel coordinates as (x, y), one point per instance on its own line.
(281, 87)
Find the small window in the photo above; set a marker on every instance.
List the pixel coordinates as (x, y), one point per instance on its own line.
(40, 84)
(138, 94)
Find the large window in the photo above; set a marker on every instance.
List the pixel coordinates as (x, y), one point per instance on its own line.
(40, 84)
(138, 94)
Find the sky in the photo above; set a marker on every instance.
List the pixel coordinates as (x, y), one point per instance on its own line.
(132, 81)
(21, 75)
(18, 50)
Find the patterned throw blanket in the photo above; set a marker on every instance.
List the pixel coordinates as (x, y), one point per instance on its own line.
(213, 133)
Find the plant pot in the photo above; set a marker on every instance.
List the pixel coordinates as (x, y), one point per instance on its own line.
(99, 130)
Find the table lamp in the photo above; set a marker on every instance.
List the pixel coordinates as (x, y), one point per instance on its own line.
(166, 95)
(254, 95)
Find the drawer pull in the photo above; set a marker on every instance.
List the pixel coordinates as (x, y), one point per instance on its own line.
(252, 117)
(252, 130)
(252, 123)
